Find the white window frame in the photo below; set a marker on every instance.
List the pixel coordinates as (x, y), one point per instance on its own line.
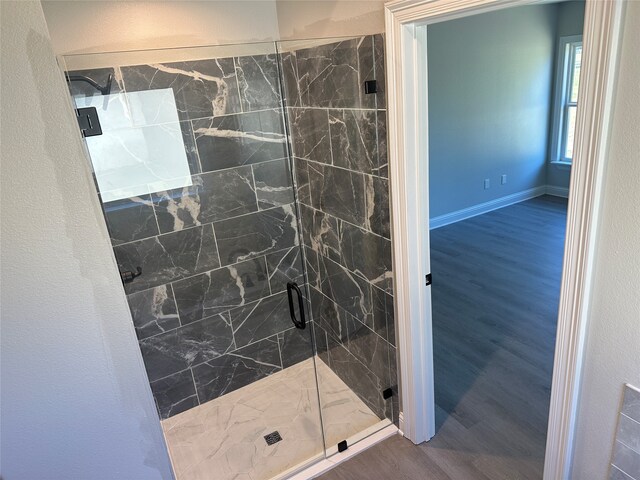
(561, 104)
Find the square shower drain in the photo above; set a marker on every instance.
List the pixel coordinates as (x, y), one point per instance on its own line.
(273, 437)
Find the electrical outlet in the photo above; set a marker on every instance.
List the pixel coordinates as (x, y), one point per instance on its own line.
(487, 183)
(503, 180)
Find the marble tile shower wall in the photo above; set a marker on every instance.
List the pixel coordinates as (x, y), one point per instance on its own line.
(210, 308)
(338, 136)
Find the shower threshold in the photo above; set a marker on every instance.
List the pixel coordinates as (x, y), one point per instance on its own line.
(224, 438)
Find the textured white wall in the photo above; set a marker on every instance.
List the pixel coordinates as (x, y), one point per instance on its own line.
(613, 341)
(87, 26)
(75, 399)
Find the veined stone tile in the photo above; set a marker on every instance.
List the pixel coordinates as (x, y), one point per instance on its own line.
(256, 234)
(237, 369)
(220, 290)
(174, 394)
(130, 219)
(241, 139)
(283, 267)
(274, 185)
(168, 257)
(184, 347)
(212, 196)
(202, 88)
(154, 311)
(258, 82)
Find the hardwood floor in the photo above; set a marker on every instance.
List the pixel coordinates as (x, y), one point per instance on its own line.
(496, 283)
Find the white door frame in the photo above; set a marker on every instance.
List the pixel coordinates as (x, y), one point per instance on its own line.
(406, 24)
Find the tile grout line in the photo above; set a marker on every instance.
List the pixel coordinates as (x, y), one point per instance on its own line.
(193, 227)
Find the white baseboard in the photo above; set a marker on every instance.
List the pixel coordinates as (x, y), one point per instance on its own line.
(557, 191)
(481, 208)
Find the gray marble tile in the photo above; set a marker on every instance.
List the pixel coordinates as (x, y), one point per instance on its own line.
(184, 347)
(175, 394)
(154, 311)
(354, 139)
(99, 75)
(331, 317)
(366, 254)
(190, 148)
(167, 258)
(321, 232)
(295, 345)
(256, 234)
(242, 139)
(259, 82)
(379, 65)
(382, 321)
(377, 206)
(629, 433)
(237, 369)
(274, 185)
(130, 219)
(366, 69)
(262, 319)
(212, 196)
(312, 266)
(372, 351)
(310, 137)
(302, 181)
(285, 266)
(631, 403)
(322, 345)
(338, 192)
(626, 460)
(328, 75)
(383, 152)
(221, 290)
(347, 289)
(617, 474)
(202, 88)
(357, 377)
(290, 79)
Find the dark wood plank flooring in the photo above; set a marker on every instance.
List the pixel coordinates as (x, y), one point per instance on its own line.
(496, 283)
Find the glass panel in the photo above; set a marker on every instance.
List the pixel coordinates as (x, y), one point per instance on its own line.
(338, 140)
(575, 74)
(571, 127)
(194, 172)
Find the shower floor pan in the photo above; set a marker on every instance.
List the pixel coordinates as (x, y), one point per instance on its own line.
(224, 439)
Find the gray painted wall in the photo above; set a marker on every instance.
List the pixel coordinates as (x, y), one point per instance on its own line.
(75, 400)
(490, 98)
(490, 81)
(570, 22)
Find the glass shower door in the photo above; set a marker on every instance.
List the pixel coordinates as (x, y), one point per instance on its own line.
(192, 169)
(334, 92)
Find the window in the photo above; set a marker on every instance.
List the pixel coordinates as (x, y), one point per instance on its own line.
(567, 82)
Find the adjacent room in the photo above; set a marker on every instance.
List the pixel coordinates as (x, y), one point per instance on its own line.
(502, 102)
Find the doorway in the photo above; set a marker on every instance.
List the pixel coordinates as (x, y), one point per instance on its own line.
(407, 27)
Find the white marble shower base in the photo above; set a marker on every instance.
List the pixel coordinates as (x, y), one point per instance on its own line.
(223, 439)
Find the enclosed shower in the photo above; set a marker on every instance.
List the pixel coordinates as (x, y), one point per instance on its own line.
(245, 192)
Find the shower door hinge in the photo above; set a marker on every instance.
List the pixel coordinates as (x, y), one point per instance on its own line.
(370, 86)
(88, 121)
(427, 279)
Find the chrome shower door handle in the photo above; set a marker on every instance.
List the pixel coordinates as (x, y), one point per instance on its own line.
(302, 323)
